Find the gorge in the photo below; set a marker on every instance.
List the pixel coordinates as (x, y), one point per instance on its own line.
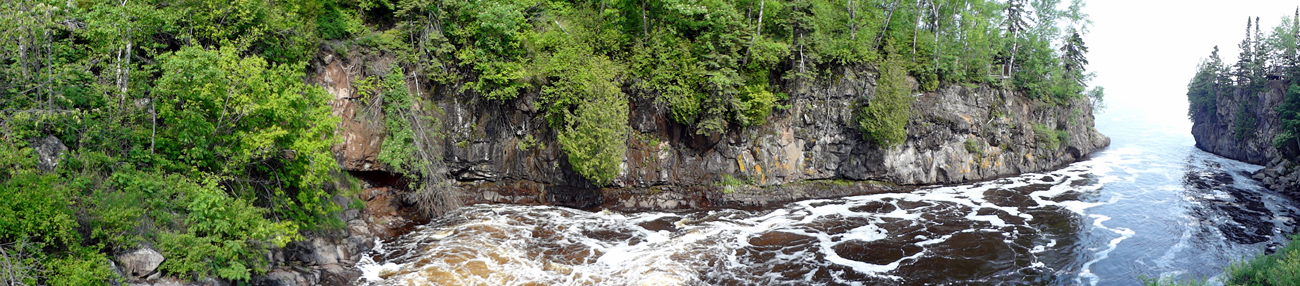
(662, 142)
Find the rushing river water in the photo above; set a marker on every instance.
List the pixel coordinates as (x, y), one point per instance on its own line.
(1151, 205)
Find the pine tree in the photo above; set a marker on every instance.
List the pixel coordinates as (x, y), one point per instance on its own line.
(1074, 58)
(1261, 59)
(1292, 59)
(1244, 59)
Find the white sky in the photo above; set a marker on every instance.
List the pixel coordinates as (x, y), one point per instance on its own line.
(1144, 52)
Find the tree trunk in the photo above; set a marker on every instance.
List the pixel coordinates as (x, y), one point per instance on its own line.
(853, 21)
(885, 28)
(645, 26)
(754, 39)
(916, 29)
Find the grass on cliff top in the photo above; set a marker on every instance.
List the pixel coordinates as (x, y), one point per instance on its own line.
(1279, 268)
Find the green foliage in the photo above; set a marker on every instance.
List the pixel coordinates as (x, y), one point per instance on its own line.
(1202, 92)
(884, 119)
(973, 146)
(399, 150)
(1280, 268)
(585, 104)
(726, 180)
(338, 22)
(82, 266)
(1289, 117)
(1096, 95)
(491, 36)
(233, 116)
(148, 95)
(1174, 281)
(754, 104)
(33, 206)
(225, 236)
(527, 143)
(1243, 125)
(1050, 138)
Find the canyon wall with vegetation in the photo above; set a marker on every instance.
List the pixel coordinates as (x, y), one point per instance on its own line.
(1250, 110)
(954, 134)
(270, 142)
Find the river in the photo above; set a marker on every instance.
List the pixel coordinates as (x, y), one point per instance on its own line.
(1151, 205)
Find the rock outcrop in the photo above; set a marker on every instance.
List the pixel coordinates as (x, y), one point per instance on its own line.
(503, 152)
(1223, 135)
(48, 149)
(955, 134)
(140, 264)
(1218, 135)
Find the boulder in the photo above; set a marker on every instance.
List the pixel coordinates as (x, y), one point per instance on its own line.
(48, 149)
(284, 277)
(141, 264)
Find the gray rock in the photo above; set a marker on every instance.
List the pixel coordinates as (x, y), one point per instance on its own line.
(48, 149)
(141, 264)
(284, 277)
(335, 274)
(209, 281)
(168, 282)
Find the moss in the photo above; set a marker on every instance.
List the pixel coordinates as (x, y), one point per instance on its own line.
(973, 146)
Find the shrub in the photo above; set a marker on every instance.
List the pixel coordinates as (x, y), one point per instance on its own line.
(1243, 125)
(587, 107)
(755, 104)
(225, 114)
(225, 236)
(973, 146)
(1280, 268)
(884, 119)
(1050, 138)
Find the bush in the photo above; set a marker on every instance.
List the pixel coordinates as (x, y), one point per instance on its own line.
(1243, 125)
(884, 119)
(973, 146)
(1050, 138)
(225, 236)
(755, 104)
(584, 102)
(234, 116)
(1280, 268)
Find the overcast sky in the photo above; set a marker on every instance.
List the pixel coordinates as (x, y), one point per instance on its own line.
(1144, 52)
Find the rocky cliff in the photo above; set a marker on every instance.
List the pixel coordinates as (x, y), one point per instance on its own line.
(1253, 144)
(956, 134)
(503, 152)
(1243, 127)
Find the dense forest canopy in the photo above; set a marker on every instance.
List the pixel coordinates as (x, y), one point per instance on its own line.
(189, 125)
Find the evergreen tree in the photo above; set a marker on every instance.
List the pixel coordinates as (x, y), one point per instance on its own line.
(1074, 58)
(1289, 117)
(1202, 91)
(1261, 56)
(1245, 58)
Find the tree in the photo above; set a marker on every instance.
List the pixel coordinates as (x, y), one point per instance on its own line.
(227, 115)
(1015, 23)
(884, 119)
(1074, 58)
(1246, 58)
(1289, 117)
(1202, 91)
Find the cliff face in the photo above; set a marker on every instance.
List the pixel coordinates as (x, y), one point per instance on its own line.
(503, 152)
(1218, 134)
(1229, 134)
(955, 134)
